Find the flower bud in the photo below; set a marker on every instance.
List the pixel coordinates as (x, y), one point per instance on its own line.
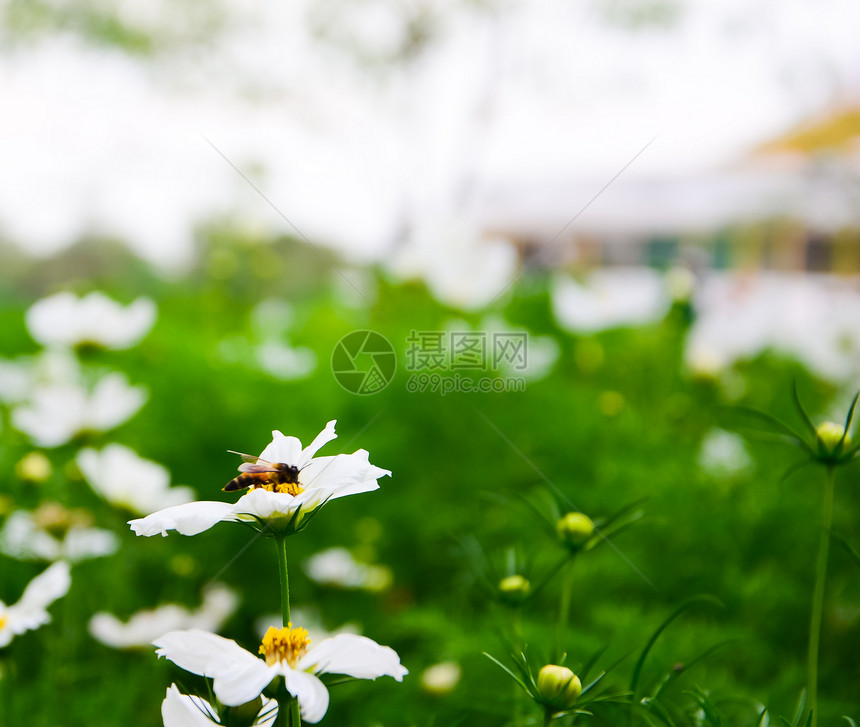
(514, 589)
(558, 687)
(34, 467)
(829, 435)
(574, 529)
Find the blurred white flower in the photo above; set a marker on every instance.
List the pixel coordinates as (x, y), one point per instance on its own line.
(278, 505)
(609, 299)
(813, 319)
(16, 379)
(337, 567)
(724, 454)
(440, 679)
(182, 710)
(533, 362)
(464, 266)
(56, 413)
(31, 611)
(219, 603)
(66, 320)
(126, 480)
(285, 362)
(54, 533)
(239, 676)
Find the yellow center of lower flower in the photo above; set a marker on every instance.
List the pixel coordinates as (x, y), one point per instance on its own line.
(287, 644)
(288, 488)
(3, 620)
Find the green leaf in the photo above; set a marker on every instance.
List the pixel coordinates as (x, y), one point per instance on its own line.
(689, 603)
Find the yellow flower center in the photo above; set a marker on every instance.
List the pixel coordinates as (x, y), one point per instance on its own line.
(288, 488)
(3, 620)
(287, 644)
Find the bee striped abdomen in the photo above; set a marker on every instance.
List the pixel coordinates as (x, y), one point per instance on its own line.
(251, 479)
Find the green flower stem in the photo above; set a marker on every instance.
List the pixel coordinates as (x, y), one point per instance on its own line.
(547, 716)
(285, 578)
(564, 605)
(289, 711)
(818, 594)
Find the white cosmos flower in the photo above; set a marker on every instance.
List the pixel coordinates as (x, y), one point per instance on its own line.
(31, 611)
(54, 533)
(181, 710)
(66, 320)
(610, 299)
(219, 603)
(56, 413)
(239, 676)
(338, 567)
(277, 512)
(126, 480)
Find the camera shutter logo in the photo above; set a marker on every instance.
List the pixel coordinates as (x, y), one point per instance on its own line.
(363, 362)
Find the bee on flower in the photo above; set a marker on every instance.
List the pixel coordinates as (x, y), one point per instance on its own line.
(287, 485)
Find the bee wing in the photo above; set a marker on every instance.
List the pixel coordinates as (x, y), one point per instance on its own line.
(253, 463)
(260, 467)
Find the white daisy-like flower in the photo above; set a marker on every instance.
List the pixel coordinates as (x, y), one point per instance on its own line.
(66, 320)
(337, 567)
(610, 299)
(283, 499)
(219, 603)
(239, 676)
(54, 533)
(56, 413)
(31, 611)
(182, 710)
(126, 480)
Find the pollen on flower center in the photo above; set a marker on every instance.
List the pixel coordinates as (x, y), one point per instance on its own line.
(3, 620)
(287, 488)
(287, 644)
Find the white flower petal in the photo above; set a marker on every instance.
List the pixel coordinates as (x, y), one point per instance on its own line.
(188, 519)
(180, 710)
(282, 449)
(144, 627)
(127, 480)
(343, 474)
(30, 611)
(356, 656)
(238, 676)
(311, 693)
(325, 436)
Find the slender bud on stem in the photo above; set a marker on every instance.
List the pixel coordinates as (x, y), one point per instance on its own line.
(829, 437)
(558, 687)
(513, 590)
(574, 529)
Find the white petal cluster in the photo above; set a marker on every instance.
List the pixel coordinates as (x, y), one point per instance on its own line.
(609, 299)
(57, 412)
(30, 612)
(239, 676)
(813, 319)
(23, 538)
(66, 320)
(128, 481)
(338, 567)
(181, 710)
(322, 479)
(144, 627)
